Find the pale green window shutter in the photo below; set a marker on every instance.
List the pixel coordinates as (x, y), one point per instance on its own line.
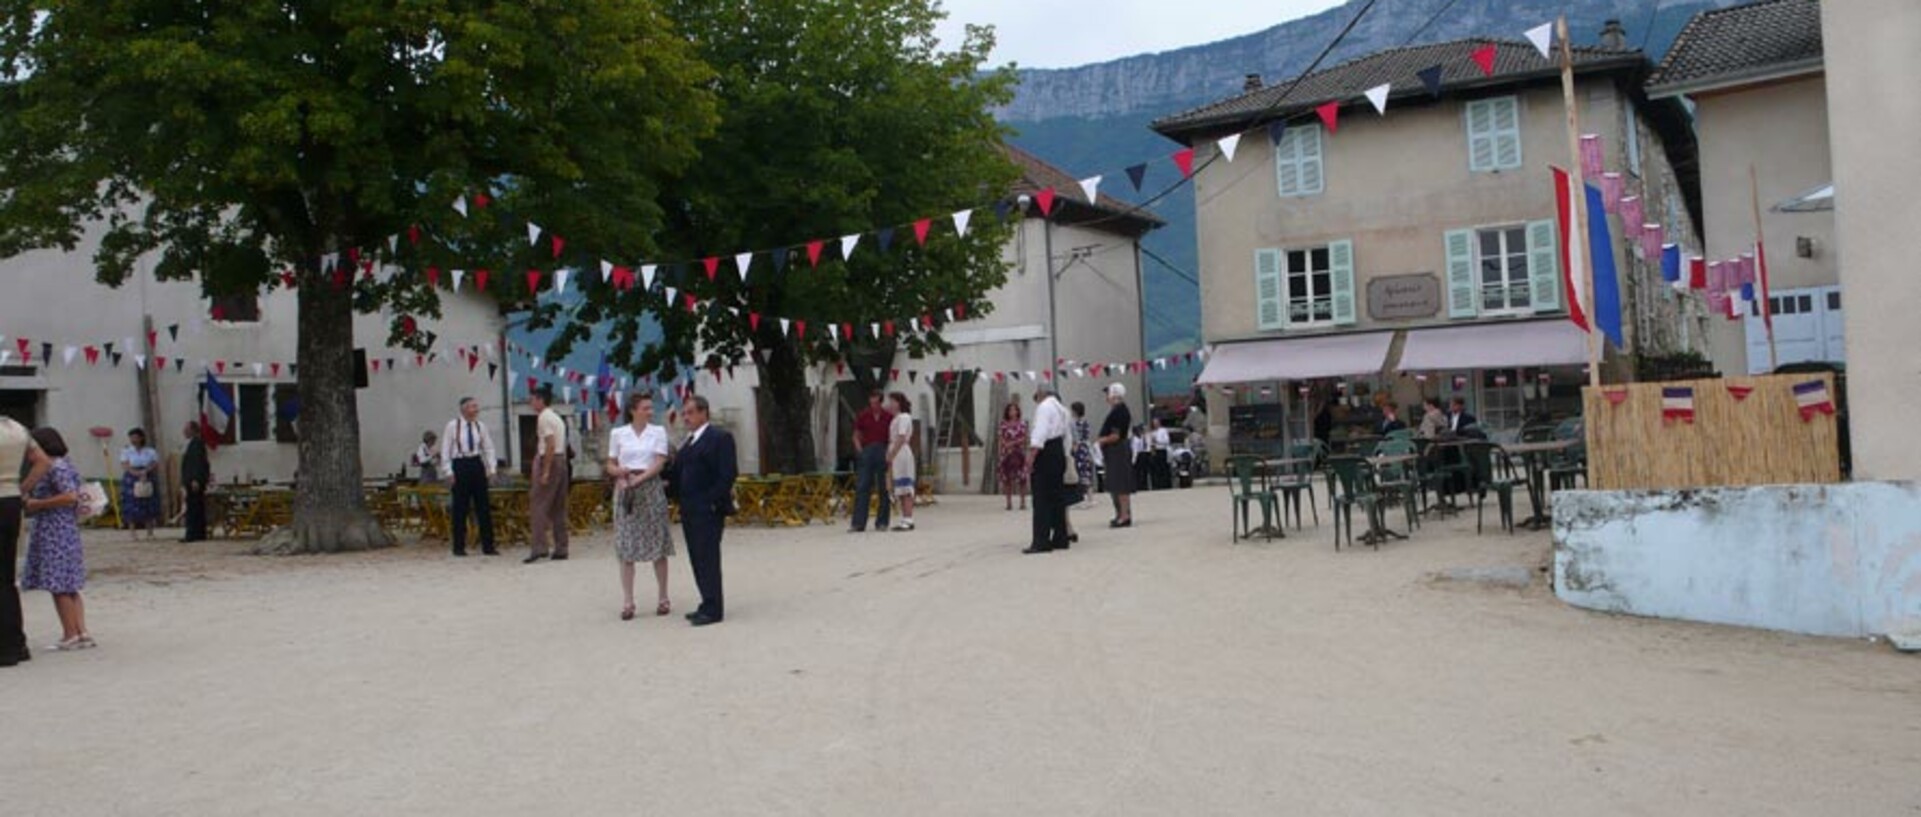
(1507, 133)
(1270, 299)
(1461, 289)
(1297, 161)
(1543, 266)
(1309, 151)
(1480, 136)
(1340, 265)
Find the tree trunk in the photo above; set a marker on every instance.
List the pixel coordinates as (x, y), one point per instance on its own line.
(330, 514)
(789, 421)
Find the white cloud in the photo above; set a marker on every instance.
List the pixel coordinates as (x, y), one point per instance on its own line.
(1063, 33)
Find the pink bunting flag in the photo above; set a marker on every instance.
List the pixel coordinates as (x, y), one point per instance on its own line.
(921, 228)
(1612, 186)
(1484, 57)
(1184, 159)
(1652, 237)
(1631, 215)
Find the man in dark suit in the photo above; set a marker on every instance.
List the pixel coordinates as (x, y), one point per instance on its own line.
(195, 474)
(703, 476)
(1458, 420)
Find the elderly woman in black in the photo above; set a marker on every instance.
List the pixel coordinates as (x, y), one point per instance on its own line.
(1118, 455)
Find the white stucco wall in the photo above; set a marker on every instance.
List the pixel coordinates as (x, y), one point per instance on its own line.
(52, 296)
(1841, 560)
(1873, 114)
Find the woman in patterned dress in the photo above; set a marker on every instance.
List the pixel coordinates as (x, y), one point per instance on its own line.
(1013, 460)
(636, 455)
(140, 465)
(903, 475)
(54, 560)
(1083, 449)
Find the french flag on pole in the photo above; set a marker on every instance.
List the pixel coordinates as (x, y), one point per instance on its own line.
(217, 423)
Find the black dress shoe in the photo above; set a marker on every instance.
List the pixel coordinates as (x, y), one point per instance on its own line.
(534, 558)
(490, 552)
(702, 620)
(460, 553)
(558, 557)
(693, 615)
(1031, 549)
(1074, 538)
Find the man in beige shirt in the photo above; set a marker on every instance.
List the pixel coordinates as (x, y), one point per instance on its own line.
(547, 502)
(16, 449)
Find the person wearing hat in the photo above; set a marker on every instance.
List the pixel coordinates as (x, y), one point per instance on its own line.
(547, 502)
(1047, 449)
(1118, 454)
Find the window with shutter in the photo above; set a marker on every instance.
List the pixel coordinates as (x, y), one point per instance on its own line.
(1502, 259)
(1297, 161)
(1461, 289)
(1544, 266)
(1494, 134)
(1341, 266)
(1270, 309)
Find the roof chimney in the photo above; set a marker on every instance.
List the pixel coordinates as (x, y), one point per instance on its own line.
(1613, 35)
(1251, 83)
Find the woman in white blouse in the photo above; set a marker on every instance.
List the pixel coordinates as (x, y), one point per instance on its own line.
(636, 455)
(900, 455)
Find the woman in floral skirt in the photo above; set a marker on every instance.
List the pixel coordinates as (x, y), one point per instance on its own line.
(636, 455)
(139, 484)
(1013, 459)
(54, 560)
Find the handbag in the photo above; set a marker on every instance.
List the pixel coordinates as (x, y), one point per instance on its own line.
(143, 489)
(93, 500)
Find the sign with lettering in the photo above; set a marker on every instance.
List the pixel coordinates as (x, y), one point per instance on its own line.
(1404, 297)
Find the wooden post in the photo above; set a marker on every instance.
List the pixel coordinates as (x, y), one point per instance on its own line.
(1760, 265)
(1581, 270)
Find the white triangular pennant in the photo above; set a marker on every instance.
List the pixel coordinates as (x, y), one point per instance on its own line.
(536, 361)
(1032, 376)
(916, 323)
(961, 220)
(671, 299)
(460, 206)
(393, 245)
(1228, 145)
(785, 325)
(876, 328)
(258, 368)
(1092, 187)
(328, 262)
(847, 245)
(567, 393)
(5, 355)
(950, 316)
(140, 362)
(533, 233)
(68, 353)
(560, 281)
(1378, 96)
(744, 260)
(606, 271)
(459, 276)
(1542, 36)
(647, 276)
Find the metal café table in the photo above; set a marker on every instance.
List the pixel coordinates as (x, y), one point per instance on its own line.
(1283, 466)
(1536, 455)
(1444, 504)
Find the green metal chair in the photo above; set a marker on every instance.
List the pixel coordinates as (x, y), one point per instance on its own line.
(1244, 490)
(1299, 479)
(1354, 486)
(1400, 482)
(1569, 465)
(1494, 472)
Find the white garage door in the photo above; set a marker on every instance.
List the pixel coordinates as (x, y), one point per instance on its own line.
(1807, 326)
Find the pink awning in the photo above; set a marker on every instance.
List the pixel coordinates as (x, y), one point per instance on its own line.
(1494, 346)
(1297, 358)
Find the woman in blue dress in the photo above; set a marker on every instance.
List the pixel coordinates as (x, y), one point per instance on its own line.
(139, 485)
(54, 559)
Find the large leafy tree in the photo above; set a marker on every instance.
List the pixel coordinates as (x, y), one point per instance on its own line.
(251, 143)
(837, 117)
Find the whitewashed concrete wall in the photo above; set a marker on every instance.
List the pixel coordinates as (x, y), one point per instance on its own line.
(1838, 560)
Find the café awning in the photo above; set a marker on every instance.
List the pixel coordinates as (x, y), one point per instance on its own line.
(1297, 358)
(1494, 346)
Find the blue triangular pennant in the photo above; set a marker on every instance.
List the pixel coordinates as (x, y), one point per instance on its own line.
(1276, 130)
(886, 236)
(780, 259)
(1431, 77)
(1137, 174)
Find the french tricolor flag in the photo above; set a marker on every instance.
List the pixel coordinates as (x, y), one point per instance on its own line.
(217, 411)
(1677, 403)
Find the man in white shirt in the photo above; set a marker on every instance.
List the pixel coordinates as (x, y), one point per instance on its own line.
(1158, 443)
(468, 451)
(18, 455)
(547, 502)
(1047, 451)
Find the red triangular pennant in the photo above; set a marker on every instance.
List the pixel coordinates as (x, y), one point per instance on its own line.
(1740, 392)
(847, 331)
(1045, 198)
(1330, 113)
(753, 321)
(159, 362)
(559, 244)
(920, 230)
(153, 339)
(413, 234)
(813, 252)
(480, 279)
(433, 277)
(220, 367)
(533, 281)
(287, 279)
(888, 327)
(1616, 396)
(960, 312)
(276, 369)
(481, 200)
(1484, 57)
(1184, 159)
(712, 263)
(93, 354)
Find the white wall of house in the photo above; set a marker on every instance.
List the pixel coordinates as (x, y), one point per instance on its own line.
(53, 297)
(1779, 129)
(1870, 108)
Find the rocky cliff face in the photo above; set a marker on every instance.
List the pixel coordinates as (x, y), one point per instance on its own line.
(1172, 81)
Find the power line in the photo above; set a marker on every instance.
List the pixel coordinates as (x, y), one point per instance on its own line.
(1647, 30)
(1170, 266)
